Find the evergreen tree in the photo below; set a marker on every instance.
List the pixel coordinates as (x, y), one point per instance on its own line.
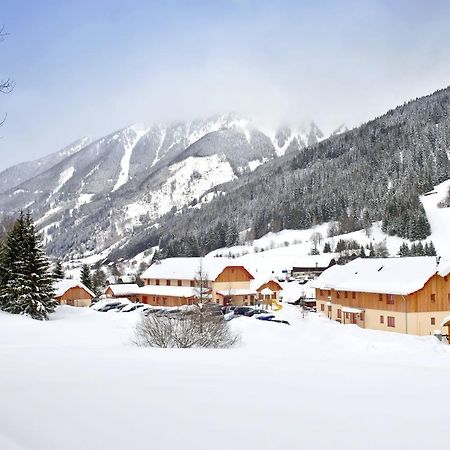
(362, 252)
(431, 249)
(26, 282)
(58, 271)
(98, 281)
(327, 247)
(85, 276)
(404, 250)
(371, 251)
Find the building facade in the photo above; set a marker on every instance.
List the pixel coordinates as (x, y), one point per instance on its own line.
(406, 295)
(73, 293)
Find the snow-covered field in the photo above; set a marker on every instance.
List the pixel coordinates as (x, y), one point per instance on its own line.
(77, 382)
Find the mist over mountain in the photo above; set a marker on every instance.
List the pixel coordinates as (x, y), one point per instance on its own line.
(93, 196)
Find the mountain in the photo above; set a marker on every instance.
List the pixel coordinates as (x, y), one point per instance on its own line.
(374, 173)
(93, 196)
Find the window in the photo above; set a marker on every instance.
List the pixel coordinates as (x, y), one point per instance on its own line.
(353, 295)
(346, 294)
(179, 283)
(347, 315)
(167, 282)
(361, 317)
(144, 299)
(339, 314)
(192, 283)
(157, 282)
(389, 299)
(433, 321)
(320, 292)
(391, 321)
(338, 295)
(381, 319)
(322, 307)
(380, 297)
(446, 278)
(433, 298)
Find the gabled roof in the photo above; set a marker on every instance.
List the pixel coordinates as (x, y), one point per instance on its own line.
(62, 286)
(399, 276)
(187, 268)
(258, 282)
(123, 289)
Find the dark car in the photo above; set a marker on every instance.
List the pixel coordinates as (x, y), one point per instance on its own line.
(267, 316)
(242, 310)
(109, 306)
(254, 312)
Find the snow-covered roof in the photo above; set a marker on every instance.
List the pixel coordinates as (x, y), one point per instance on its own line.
(444, 267)
(313, 261)
(237, 292)
(256, 283)
(168, 291)
(187, 268)
(349, 309)
(123, 289)
(62, 286)
(399, 276)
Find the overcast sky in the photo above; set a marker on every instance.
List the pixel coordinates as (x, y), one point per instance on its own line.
(86, 68)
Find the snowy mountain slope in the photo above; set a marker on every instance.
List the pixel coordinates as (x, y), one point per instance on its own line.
(15, 175)
(439, 218)
(92, 195)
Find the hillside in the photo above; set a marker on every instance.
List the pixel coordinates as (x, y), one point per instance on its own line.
(373, 173)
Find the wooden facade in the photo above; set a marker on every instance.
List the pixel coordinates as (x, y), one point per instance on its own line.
(420, 312)
(75, 296)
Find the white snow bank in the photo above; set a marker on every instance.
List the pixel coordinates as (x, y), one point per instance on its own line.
(77, 382)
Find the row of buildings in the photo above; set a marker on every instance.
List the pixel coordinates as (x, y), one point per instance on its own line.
(179, 281)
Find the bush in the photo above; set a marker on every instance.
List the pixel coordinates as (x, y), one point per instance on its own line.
(195, 328)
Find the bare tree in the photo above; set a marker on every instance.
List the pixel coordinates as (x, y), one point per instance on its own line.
(202, 292)
(184, 330)
(316, 239)
(6, 85)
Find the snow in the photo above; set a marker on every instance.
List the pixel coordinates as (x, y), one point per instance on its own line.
(439, 218)
(188, 180)
(78, 382)
(255, 163)
(84, 199)
(64, 177)
(131, 141)
(399, 276)
(187, 268)
(124, 289)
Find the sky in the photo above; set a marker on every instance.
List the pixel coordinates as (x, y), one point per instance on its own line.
(86, 68)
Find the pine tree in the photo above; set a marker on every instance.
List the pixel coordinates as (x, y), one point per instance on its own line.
(362, 252)
(26, 283)
(85, 276)
(58, 271)
(371, 251)
(327, 247)
(404, 250)
(98, 281)
(431, 249)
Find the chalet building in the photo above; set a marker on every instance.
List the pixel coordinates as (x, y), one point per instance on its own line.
(172, 282)
(267, 290)
(73, 293)
(312, 265)
(407, 295)
(128, 290)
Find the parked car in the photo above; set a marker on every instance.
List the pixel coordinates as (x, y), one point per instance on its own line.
(254, 312)
(242, 310)
(110, 306)
(267, 316)
(132, 307)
